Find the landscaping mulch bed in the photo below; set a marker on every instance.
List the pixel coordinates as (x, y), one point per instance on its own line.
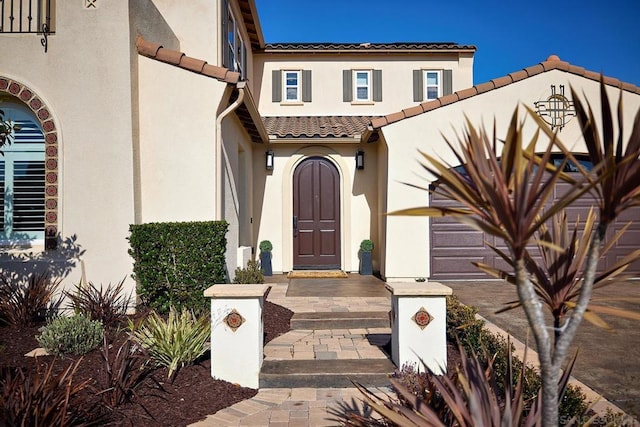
(190, 397)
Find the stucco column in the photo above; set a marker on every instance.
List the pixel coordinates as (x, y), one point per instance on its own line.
(237, 338)
(419, 324)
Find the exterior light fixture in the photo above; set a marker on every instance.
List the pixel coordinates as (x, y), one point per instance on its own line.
(359, 159)
(269, 160)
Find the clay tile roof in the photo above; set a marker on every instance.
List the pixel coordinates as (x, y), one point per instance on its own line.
(369, 47)
(179, 59)
(316, 126)
(553, 62)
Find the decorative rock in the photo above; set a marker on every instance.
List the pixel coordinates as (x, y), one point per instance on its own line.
(37, 352)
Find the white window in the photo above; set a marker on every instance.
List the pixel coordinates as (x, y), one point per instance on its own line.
(362, 86)
(291, 86)
(236, 52)
(22, 181)
(432, 85)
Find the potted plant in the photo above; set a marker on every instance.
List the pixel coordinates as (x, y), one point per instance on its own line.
(265, 257)
(366, 265)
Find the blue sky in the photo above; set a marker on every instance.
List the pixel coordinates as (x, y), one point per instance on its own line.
(601, 36)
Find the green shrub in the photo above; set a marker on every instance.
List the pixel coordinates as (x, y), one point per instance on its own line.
(175, 262)
(366, 245)
(266, 246)
(108, 305)
(178, 341)
(251, 274)
(71, 335)
(30, 302)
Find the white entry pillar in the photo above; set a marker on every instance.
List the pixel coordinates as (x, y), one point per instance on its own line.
(237, 338)
(419, 324)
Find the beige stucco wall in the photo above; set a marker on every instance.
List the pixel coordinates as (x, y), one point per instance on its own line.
(397, 80)
(85, 80)
(358, 200)
(407, 251)
(177, 133)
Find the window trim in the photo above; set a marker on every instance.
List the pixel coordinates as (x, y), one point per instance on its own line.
(426, 86)
(369, 86)
(297, 86)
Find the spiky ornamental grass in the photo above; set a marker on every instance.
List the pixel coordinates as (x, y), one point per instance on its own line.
(176, 342)
(107, 304)
(39, 397)
(30, 302)
(505, 194)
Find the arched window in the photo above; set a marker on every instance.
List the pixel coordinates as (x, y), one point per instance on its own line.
(22, 179)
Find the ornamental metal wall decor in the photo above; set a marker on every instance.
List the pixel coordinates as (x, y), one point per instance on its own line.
(422, 318)
(556, 110)
(234, 320)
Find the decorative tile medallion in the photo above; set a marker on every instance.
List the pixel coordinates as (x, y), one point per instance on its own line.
(422, 318)
(234, 320)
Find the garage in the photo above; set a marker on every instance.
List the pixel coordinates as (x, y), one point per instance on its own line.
(454, 246)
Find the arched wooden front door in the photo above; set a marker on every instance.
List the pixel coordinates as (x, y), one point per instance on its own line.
(316, 215)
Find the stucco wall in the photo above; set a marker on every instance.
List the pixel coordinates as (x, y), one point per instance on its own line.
(407, 249)
(359, 199)
(85, 80)
(397, 80)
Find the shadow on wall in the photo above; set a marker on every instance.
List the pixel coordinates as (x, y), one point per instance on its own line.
(18, 263)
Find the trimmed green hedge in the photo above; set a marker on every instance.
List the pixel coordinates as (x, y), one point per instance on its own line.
(174, 262)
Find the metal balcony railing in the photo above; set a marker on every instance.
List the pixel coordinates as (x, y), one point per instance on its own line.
(27, 16)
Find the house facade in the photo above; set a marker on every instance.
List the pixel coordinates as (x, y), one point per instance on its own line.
(149, 110)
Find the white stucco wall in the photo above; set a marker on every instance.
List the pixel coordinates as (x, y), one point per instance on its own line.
(397, 80)
(407, 251)
(358, 199)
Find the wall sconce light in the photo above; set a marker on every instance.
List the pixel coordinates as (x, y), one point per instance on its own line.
(359, 159)
(269, 160)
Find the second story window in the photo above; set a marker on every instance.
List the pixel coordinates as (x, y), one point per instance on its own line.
(291, 86)
(362, 90)
(431, 84)
(235, 54)
(362, 86)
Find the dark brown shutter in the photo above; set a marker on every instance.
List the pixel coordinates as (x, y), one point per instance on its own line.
(447, 83)
(418, 84)
(347, 86)
(276, 85)
(306, 85)
(377, 85)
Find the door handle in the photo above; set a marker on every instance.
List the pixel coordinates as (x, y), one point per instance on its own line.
(295, 226)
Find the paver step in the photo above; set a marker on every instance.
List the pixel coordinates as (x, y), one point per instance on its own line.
(340, 320)
(325, 373)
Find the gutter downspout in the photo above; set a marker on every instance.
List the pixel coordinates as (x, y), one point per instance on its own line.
(219, 151)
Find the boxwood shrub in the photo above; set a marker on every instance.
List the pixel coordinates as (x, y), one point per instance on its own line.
(174, 262)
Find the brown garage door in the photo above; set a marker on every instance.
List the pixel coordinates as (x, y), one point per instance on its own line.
(455, 246)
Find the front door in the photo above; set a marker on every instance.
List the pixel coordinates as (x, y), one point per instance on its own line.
(316, 215)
